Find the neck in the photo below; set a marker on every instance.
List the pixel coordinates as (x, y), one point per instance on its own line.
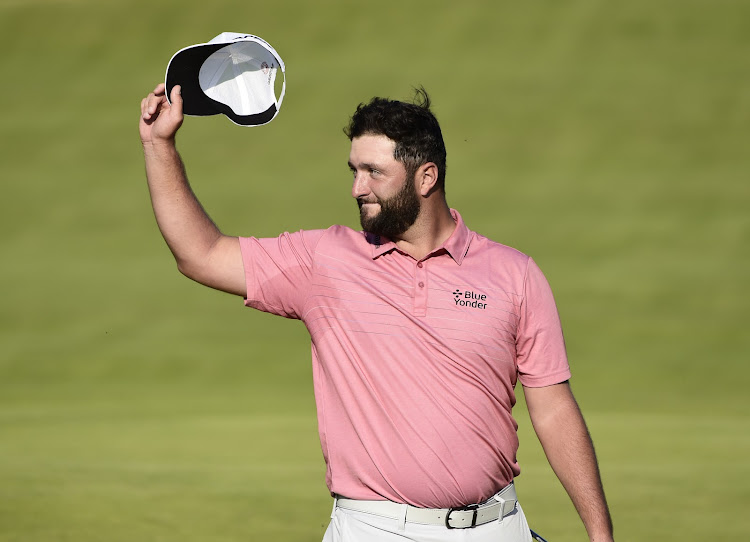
(433, 227)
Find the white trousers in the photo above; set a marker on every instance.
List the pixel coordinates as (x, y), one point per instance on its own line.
(351, 526)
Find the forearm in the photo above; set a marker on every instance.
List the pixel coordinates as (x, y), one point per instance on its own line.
(569, 449)
(188, 230)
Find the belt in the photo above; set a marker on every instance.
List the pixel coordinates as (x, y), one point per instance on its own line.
(462, 517)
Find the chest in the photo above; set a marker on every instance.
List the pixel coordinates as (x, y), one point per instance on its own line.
(468, 308)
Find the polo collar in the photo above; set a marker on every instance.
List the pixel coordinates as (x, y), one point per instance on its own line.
(457, 245)
(380, 245)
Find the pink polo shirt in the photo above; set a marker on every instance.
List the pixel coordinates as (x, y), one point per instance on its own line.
(414, 362)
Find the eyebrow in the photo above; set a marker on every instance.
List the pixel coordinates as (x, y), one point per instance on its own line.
(364, 165)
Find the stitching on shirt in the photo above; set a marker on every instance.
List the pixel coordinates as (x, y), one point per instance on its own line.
(409, 291)
(403, 307)
(509, 359)
(307, 314)
(388, 280)
(348, 265)
(475, 333)
(319, 284)
(521, 307)
(361, 290)
(312, 253)
(402, 335)
(511, 325)
(510, 331)
(493, 308)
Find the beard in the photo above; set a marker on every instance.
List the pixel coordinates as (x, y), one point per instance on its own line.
(396, 215)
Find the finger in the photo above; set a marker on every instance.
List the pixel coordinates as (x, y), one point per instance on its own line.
(154, 103)
(159, 90)
(145, 103)
(146, 106)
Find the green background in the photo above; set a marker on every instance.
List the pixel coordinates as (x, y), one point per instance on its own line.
(609, 140)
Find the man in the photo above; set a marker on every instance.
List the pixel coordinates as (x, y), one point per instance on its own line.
(420, 329)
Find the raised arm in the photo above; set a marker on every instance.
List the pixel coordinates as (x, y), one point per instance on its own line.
(201, 251)
(562, 431)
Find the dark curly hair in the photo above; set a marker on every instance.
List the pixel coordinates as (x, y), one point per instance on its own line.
(412, 126)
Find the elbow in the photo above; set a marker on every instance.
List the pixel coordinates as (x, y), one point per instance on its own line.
(188, 268)
(196, 270)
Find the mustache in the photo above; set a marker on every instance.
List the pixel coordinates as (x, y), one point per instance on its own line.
(362, 201)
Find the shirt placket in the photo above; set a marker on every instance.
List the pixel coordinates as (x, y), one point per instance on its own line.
(420, 289)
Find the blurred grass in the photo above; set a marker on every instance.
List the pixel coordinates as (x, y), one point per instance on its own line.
(609, 141)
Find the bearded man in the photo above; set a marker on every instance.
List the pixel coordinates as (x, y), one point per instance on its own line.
(420, 329)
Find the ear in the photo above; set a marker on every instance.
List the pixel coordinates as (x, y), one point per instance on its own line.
(426, 178)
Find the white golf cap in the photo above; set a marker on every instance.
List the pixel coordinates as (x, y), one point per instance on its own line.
(233, 74)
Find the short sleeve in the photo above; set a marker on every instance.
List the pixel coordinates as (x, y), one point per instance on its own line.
(540, 346)
(278, 271)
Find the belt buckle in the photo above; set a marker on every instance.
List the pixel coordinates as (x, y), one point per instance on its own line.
(469, 508)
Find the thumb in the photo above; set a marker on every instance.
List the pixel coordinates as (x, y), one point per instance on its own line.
(176, 98)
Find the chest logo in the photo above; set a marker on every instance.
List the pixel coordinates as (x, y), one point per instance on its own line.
(469, 299)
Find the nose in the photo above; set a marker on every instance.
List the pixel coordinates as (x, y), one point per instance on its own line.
(359, 185)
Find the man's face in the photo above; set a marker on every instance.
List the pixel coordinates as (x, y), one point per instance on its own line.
(388, 201)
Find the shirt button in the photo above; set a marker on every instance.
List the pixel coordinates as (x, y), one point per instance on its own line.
(419, 265)
(421, 284)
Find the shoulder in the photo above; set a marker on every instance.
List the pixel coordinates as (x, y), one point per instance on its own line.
(312, 239)
(497, 251)
(340, 239)
(337, 230)
(347, 235)
(333, 234)
(506, 267)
